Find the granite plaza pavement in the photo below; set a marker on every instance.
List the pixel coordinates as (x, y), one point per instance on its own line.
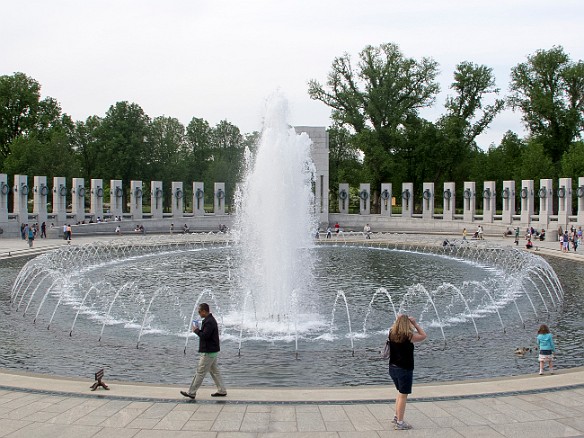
(522, 406)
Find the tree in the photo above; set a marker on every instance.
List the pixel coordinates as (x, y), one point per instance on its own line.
(227, 155)
(376, 99)
(87, 146)
(573, 161)
(167, 144)
(344, 160)
(534, 163)
(50, 156)
(123, 143)
(198, 148)
(19, 101)
(466, 118)
(549, 90)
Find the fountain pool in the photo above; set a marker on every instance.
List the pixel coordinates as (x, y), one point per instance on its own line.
(488, 301)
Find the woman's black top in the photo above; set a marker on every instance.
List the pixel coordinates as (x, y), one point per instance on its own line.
(401, 354)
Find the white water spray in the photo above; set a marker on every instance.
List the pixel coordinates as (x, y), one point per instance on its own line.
(275, 217)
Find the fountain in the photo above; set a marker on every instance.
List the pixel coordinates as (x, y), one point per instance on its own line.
(287, 306)
(275, 222)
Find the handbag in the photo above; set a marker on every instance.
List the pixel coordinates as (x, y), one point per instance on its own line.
(385, 352)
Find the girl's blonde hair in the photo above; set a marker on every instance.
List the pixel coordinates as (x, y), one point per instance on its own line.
(401, 330)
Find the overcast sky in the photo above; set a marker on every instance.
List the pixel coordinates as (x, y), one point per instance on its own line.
(221, 59)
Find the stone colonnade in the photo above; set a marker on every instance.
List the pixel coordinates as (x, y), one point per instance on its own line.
(57, 196)
(475, 197)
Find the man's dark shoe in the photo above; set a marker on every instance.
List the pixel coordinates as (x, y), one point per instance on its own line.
(218, 394)
(186, 394)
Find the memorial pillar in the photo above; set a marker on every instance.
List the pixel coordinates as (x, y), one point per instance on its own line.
(220, 198)
(527, 201)
(156, 199)
(428, 200)
(40, 197)
(116, 198)
(364, 199)
(198, 199)
(78, 199)
(177, 199)
(407, 196)
(564, 202)
(96, 199)
(136, 198)
(508, 195)
(546, 199)
(469, 199)
(4, 191)
(343, 198)
(60, 199)
(20, 206)
(489, 201)
(449, 201)
(386, 198)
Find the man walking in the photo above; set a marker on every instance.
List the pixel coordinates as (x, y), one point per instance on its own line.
(208, 334)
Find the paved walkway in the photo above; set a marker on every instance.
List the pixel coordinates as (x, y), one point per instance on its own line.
(525, 406)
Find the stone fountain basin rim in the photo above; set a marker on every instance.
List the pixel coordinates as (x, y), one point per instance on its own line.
(572, 378)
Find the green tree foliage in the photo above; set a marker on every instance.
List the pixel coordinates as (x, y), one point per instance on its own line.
(198, 148)
(87, 146)
(345, 165)
(226, 158)
(501, 162)
(465, 119)
(123, 143)
(376, 99)
(534, 163)
(19, 102)
(572, 164)
(34, 134)
(549, 90)
(379, 101)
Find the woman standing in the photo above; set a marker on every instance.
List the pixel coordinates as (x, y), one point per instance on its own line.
(402, 335)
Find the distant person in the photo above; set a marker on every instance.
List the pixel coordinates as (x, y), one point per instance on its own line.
(401, 363)
(68, 234)
(542, 235)
(209, 347)
(545, 342)
(529, 243)
(464, 232)
(30, 237)
(517, 235)
(367, 231)
(118, 230)
(44, 230)
(565, 242)
(171, 228)
(329, 232)
(185, 229)
(65, 232)
(337, 228)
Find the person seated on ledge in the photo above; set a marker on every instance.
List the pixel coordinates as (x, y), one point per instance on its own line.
(542, 235)
(529, 244)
